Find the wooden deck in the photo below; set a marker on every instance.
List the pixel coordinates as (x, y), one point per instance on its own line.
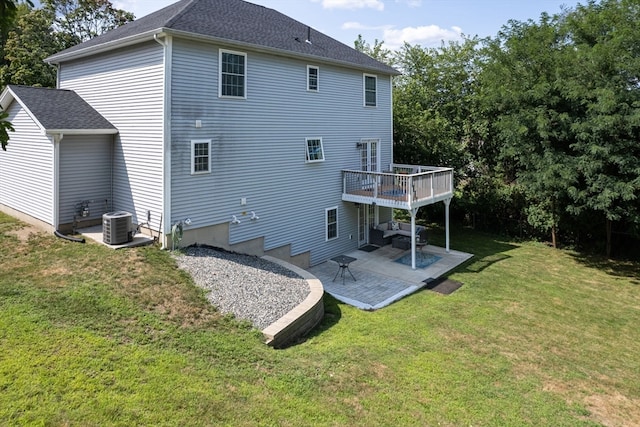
(404, 187)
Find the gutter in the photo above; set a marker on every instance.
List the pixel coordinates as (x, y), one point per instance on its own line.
(57, 58)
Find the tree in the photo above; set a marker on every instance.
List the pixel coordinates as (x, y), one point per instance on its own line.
(523, 86)
(606, 82)
(27, 46)
(83, 20)
(377, 52)
(5, 128)
(9, 11)
(437, 120)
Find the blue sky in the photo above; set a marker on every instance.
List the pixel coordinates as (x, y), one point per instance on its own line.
(423, 22)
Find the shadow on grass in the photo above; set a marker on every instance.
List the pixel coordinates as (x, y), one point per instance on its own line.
(487, 249)
(612, 267)
(332, 315)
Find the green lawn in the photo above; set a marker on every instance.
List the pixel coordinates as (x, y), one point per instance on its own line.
(536, 336)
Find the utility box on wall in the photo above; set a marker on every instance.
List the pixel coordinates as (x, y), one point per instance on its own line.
(116, 228)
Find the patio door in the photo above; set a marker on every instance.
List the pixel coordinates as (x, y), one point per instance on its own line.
(366, 219)
(369, 158)
(369, 162)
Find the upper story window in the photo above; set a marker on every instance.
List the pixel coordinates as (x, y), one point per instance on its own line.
(233, 74)
(370, 90)
(313, 75)
(315, 152)
(200, 156)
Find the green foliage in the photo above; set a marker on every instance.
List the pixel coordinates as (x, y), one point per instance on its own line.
(547, 111)
(435, 113)
(606, 38)
(83, 20)
(566, 97)
(5, 128)
(377, 51)
(32, 40)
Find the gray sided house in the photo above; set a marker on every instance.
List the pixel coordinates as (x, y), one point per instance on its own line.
(229, 120)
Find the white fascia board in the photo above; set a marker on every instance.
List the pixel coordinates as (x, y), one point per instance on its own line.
(81, 131)
(8, 96)
(104, 47)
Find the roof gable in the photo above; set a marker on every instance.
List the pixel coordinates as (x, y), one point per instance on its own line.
(235, 21)
(57, 110)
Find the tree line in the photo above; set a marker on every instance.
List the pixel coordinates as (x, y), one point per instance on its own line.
(541, 123)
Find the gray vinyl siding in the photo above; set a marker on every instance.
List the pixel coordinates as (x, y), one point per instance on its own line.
(127, 88)
(26, 168)
(85, 175)
(258, 147)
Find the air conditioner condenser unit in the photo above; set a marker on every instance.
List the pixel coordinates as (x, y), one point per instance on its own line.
(116, 228)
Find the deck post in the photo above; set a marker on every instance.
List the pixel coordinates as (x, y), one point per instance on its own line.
(447, 202)
(413, 212)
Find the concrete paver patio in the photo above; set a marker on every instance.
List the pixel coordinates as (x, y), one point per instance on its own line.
(380, 280)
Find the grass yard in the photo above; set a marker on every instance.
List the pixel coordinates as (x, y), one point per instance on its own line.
(536, 336)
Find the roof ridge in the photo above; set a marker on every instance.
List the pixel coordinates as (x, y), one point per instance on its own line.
(188, 4)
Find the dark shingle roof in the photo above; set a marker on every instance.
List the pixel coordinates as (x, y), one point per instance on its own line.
(235, 21)
(58, 109)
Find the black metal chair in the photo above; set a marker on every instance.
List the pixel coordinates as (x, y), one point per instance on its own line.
(421, 241)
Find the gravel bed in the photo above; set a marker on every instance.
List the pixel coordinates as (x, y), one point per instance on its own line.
(248, 287)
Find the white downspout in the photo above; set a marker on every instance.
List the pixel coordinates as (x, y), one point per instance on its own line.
(166, 139)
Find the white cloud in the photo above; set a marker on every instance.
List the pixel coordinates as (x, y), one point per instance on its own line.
(411, 3)
(351, 25)
(428, 35)
(352, 4)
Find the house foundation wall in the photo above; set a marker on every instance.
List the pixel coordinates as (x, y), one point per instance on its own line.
(218, 236)
(27, 218)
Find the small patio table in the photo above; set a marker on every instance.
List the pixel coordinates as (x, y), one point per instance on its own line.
(343, 264)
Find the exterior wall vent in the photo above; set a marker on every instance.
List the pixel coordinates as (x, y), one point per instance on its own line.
(116, 228)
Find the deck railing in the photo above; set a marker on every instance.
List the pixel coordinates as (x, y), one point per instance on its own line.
(403, 186)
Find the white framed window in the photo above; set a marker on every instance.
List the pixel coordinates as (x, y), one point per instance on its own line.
(331, 218)
(200, 156)
(313, 78)
(314, 151)
(232, 81)
(370, 87)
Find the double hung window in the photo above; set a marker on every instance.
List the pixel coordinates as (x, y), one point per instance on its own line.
(313, 78)
(233, 74)
(200, 156)
(331, 215)
(370, 90)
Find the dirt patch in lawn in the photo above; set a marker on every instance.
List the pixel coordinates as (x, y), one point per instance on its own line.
(23, 233)
(613, 409)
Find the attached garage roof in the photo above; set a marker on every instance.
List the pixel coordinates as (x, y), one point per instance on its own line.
(57, 110)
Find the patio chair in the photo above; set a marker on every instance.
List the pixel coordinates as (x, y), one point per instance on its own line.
(421, 241)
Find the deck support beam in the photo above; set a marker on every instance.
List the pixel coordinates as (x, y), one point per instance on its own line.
(447, 202)
(413, 212)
